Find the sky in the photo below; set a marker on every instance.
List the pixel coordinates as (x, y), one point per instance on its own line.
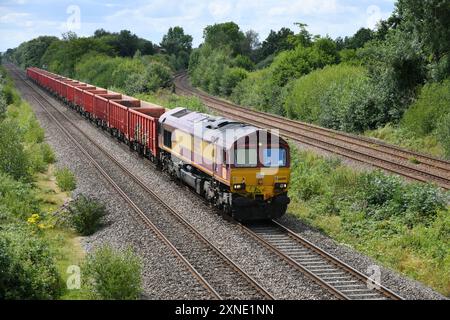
(22, 20)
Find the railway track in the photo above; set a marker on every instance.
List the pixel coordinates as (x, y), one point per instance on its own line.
(342, 280)
(412, 165)
(337, 277)
(218, 275)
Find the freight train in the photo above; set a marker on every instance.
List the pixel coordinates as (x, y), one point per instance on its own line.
(239, 168)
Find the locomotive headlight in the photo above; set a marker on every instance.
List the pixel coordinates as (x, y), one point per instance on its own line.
(281, 185)
(240, 186)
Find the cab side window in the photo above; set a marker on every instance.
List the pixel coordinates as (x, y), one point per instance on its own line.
(168, 139)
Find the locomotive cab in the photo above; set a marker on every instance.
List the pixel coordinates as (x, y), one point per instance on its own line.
(259, 166)
(241, 169)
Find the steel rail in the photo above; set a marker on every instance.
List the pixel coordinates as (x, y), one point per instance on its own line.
(349, 283)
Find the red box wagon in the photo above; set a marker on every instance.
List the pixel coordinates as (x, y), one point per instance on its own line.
(143, 128)
(101, 104)
(88, 99)
(71, 91)
(79, 95)
(118, 118)
(65, 87)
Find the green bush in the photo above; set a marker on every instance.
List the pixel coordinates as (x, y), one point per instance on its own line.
(230, 79)
(339, 97)
(422, 202)
(293, 64)
(112, 275)
(443, 133)
(47, 153)
(17, 199)
(13, 158)
(377, 188)
(382, 196)
(28, 270)
(65, 179)
(86, 214)
(432, 104)
(257, 91)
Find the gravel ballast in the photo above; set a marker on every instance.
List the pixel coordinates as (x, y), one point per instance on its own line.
(263, 266)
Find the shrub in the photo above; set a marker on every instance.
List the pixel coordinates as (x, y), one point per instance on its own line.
(339, 97)
(378, 188)
(17, 199)
(422, 202)
(230, 79)
(28, 270)
(13, 158)
(85, 215)
(112, 275)
(443, 133)
(65, 179)
(47, 153)
(425, 114)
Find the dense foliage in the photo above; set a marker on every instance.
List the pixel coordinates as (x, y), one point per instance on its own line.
(112, 274)
(27, 263)
(28, 270)
(428, 115)
(178, 46)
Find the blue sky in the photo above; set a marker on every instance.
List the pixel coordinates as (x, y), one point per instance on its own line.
(22, 20)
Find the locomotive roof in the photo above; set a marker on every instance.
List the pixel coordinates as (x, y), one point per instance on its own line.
(209, 128)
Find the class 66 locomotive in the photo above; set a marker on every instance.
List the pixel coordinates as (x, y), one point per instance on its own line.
(241, 169)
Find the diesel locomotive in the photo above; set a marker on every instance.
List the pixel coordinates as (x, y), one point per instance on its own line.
(239, 168)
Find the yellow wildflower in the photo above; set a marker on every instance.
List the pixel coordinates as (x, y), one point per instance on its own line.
(33, 219)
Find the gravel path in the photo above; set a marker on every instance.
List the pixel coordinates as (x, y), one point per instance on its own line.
(265, 267)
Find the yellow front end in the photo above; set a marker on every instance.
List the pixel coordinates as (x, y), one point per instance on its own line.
(260, 183)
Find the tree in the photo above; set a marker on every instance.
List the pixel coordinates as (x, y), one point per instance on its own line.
(276, 42)
(127, 43)
(303, 38)
(101, 33)
(30, 53)
(176, 41)
(69, 35)
(251, 45)
(429, 21)
(225, 34)
(178, 44)
(361, 37)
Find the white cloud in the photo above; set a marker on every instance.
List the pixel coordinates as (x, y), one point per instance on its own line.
(220, 9)
(151, 19)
